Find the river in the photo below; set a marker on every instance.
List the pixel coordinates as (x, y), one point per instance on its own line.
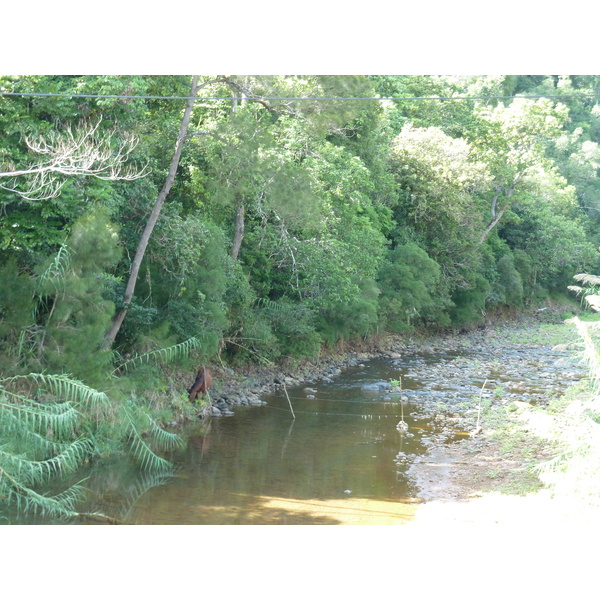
(339, 457)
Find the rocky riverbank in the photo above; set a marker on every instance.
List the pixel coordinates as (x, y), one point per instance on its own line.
(247, 385)
(472, 387)
(515, 361)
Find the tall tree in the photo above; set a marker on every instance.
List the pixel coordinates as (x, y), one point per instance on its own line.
(513, 142)
(153, 218)
(438, 177)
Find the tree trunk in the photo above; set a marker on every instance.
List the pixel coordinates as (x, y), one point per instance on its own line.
(143, 243)
(239, 229)
(492, 224)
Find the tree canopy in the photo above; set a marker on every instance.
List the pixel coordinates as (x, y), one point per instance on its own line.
(266, 217)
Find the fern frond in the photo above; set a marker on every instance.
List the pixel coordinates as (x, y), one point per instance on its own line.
(142, 452)
(271, 305)
(17, 437)
(26, 500)
(165, 439)
(148, 459)
(59, 418)
(147, 482)
(166, 355)
(587, 279)
(37, 472)
(64, 387)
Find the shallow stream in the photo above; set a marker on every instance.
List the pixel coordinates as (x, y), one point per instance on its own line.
(340, 458)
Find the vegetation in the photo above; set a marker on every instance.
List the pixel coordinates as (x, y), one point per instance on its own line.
(257, 222)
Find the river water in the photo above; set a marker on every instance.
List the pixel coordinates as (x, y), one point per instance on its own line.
(338, 459)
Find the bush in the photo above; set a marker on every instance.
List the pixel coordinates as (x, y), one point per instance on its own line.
(407, 281)
(469, 304)
(508, 286)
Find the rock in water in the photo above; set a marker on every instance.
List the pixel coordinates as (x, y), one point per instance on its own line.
(376, 387)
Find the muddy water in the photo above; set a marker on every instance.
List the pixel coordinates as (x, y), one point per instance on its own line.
(341, 460)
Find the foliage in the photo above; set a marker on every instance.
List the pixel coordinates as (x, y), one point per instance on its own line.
(507, 289)
(290, 225)
(407, 280)
(73, 312)
(43, 436)
(439, 177)
(469, 304)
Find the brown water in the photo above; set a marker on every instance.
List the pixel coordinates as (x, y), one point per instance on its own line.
(340, 461)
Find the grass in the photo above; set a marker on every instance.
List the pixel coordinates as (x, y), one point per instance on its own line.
(554, 445)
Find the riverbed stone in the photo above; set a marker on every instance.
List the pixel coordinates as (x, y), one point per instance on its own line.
(376, 386)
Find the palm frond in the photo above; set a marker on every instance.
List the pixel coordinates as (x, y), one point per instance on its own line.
(271, 305)
(38, 472)
(140, 449)
(147, 481)
(58, 418)
(26, 500)
(142, 452)
(64, 387)
(165, 439)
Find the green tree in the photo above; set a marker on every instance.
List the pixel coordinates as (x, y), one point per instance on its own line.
(408, 281)
(438, 177)
(73, 309)
(513, 144)
(152, 219)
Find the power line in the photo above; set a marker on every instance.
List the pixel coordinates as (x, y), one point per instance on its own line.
(291, 99)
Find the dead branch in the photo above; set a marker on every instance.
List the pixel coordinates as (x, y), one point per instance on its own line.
(81, 152)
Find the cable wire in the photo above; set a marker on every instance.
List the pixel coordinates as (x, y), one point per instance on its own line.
(291, 99)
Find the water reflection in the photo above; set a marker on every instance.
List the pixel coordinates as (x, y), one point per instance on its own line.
(340, 461)
(337, 462)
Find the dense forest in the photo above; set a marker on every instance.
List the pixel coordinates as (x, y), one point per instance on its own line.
(257, 218)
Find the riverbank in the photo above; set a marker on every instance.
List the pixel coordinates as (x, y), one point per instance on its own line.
(514, 378)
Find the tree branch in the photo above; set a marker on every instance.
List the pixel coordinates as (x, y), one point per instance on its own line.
(83, 152)
(251, 98)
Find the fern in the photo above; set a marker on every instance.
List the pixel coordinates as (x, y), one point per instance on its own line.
(41, 420)
(165, 439)
(60, 419)
(147, 481)
(140, 448)
(166, 355)
(38, 472)
(142, 452)
(69, 389)
(26, 500)
(271, 305)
